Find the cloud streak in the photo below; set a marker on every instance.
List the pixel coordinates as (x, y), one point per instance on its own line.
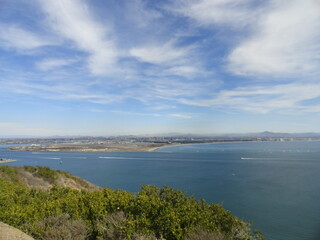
(173, 61)
(235, 13)
(12, 36)
(53, 63)
(283, 98)
(72, 20)
(285, 42)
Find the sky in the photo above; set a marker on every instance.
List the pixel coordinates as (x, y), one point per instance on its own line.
(118, 67)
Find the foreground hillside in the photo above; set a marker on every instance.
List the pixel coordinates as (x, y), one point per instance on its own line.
(43, 178)
(48, 204)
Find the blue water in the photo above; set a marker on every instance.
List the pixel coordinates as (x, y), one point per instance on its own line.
(273, 184)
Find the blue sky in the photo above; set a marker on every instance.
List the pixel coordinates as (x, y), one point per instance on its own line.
(115, 67)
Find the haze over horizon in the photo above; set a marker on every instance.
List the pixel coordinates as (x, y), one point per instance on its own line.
(101, 68)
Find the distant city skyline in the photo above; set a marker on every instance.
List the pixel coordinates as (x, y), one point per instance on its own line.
(103, 68)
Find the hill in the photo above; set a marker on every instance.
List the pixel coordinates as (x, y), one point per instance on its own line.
(51, 204)
(44, 178)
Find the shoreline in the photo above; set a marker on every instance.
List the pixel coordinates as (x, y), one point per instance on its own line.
(112, 148)
(7, 160)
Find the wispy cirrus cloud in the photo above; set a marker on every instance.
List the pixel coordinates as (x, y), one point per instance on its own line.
(72, 20)
(57, 89)
(282, 98)
(13, 36)
(53, 63)
(137, 113)
(174, 60)
(281, 37)
(237, 13)
(169, 59)
(179, 115)
(285, 41)
(166, 53)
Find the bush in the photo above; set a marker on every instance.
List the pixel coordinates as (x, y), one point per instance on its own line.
(58, 228)
(111, 226)
(10, 173)
(203, 234)
(154, 213)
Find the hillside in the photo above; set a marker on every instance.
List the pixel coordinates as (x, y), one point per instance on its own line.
(51, 204)
(44, 178)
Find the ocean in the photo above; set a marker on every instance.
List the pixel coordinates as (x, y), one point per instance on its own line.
(273, 184)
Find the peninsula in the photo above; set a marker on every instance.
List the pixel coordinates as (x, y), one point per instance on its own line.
(90, 147)
(138, 143)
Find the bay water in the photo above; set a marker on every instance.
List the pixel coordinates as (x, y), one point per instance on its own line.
(276, 185)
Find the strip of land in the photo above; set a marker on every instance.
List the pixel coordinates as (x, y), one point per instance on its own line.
(92, 147)
(125, 143)
(4, 160)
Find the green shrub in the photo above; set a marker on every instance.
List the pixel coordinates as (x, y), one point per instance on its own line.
(153, 213)
(9, 173)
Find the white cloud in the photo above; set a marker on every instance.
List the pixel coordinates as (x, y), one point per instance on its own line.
(263, 99)
(281, 37)
(97, 110)
(137, 113)
(208, 12)
(183, 70)
(12, 36)
(58, 90)
(160, 107)
(137, 12)
(169, 59)
(72, 20)
(286, 41)
(166, 53)
(52, 63)
(179, 115)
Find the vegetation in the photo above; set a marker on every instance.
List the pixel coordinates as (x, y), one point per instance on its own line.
(10, 173)
(153, 213)
(43, 172)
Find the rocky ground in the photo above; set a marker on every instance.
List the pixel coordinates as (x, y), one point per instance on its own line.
(10, 233)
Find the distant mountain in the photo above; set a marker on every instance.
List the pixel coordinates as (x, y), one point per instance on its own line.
(265, 134)
(292, 135)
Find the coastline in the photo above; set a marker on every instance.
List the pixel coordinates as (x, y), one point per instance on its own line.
(90, 148)
(113, 147)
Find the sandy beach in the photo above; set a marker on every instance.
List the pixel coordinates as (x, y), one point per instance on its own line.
(6, 160)
(85, 147)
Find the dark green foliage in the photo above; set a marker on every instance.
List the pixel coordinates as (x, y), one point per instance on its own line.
(9, 173)
(154, 213)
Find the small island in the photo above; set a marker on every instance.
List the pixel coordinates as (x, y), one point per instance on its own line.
(5, 160)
